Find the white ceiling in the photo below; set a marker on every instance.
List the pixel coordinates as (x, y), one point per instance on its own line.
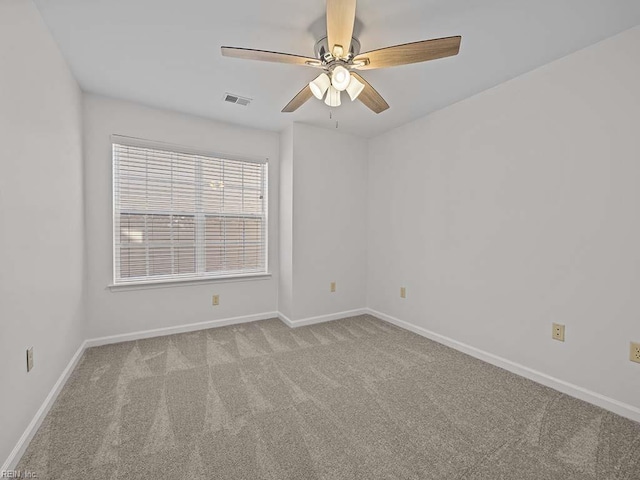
(166, 53)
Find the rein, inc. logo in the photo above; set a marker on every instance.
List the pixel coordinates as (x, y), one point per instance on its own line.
(18, 474)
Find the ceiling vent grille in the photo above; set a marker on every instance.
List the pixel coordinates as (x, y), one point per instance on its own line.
(237, 99)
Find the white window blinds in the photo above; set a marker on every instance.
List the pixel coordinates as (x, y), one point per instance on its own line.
(183, 216)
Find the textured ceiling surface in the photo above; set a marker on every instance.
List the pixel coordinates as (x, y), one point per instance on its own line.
(166, 53)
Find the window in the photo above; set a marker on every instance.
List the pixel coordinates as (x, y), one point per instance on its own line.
(186, 216)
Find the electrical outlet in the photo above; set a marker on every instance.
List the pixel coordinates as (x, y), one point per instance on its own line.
(215, 300)
(403, 292)
(558, 332)
(29, 359)
(333, 287)
(634, 355)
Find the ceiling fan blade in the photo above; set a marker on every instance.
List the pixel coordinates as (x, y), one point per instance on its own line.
(341, 17)
(370, 97)
(409, 53)
(267, 56)
(297, 101)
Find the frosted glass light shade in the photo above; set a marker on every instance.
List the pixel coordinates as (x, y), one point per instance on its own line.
(340, 78)
(355, 88)
(320, 85)
(333, 97)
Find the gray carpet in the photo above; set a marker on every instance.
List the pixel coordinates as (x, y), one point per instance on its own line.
(350, 399)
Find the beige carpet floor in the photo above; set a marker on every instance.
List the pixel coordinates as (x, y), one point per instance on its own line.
(350, 399)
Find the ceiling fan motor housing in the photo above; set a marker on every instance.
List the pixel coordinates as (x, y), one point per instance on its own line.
(323, 52)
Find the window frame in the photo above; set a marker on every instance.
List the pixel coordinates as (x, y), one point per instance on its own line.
(199, 219)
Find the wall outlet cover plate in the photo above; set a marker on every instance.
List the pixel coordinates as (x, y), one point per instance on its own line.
(634, 354)
(557, 332)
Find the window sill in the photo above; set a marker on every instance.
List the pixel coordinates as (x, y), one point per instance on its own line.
(123, 287)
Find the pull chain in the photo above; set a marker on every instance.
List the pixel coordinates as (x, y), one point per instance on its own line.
(331, 117)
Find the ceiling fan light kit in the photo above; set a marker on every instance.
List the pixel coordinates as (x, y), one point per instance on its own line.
(340, 78)
(333, 97)
(354, 88)
(339, 56)
(320, 85)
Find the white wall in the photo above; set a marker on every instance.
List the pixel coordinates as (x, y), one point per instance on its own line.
(117, 312)
(328, 195)
(41, 217)
(517, 208)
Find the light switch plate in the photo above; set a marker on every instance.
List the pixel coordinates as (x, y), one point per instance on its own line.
(403, 292)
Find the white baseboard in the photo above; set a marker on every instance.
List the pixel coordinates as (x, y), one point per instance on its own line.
(615, 406)
(14, 457)
(192, 327)
(321, 318)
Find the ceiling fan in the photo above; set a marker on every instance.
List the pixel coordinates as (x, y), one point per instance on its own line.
(338, 55)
